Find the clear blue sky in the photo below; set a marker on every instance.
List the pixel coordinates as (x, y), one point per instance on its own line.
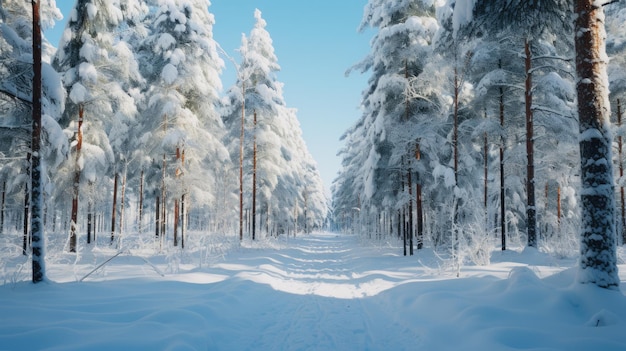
(316, 42)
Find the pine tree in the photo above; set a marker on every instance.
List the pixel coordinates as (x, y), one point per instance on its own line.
(528, 28)
(598, 261)
(180, 130)
(100, 111)
(288, 186)
(400, 52)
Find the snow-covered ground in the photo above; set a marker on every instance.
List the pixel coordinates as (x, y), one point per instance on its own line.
(317, 292)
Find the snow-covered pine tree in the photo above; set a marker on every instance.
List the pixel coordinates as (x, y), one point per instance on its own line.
(288, 185)
(180, 131)
(546, 89)
(598, 257)
(97, 70)
(400, 51)
(28, 83)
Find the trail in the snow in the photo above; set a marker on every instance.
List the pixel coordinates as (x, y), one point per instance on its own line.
(320, 300)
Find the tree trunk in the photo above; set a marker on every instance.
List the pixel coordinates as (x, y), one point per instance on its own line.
(558, 206)
(140, 219)
(122, 202)
(176, 216)
(502, 188)
(4, 190)
(418, 202)
(410, 231)
(38, 259)
(26, 218)
(183, 221)
(620, 145)
(76, 184)
(241, 137)
(254, 151)
(163, 202)
(598, 259)
(113, 210)
(455, 136)
(531, 211)
(89, 220)
(157, 215)
(486, 170)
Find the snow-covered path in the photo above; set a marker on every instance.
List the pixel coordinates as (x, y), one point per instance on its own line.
(315, 292)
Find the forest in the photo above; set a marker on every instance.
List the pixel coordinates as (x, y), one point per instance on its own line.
(470, 137)
(472, 134)
(138, 133)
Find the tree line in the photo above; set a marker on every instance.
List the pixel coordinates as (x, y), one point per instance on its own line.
(137, 136)
(481, 119)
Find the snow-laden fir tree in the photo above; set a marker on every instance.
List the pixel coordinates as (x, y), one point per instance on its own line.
(535, 84)
(284, 186)
(16, 89)
(180, 130)
(20, 49)
(385, 159)
(97, 69)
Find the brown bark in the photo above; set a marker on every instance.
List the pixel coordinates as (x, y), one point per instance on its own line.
(502, 187)
(598, 261)
(114, 209)
(76, 184)
(26, 241)
(37, 230)
(531, 212)
(455, 136)
(140, 219)
(410, 231)
(418, 203)
(486, 170)
(176, 214)
(241, 137)
(183, 221)
(620, 145)
(4, 190)
(157, 215)
(122, 197)
(254, 156)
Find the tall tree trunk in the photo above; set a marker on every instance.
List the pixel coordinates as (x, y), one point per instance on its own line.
(37, 229)
(531, 211)
(157, 215)
(620, 146)
(122, 202)
(418, 202)
(114, 209)
(410, 231)
(183, 221)
(502, 188)
(89, 220)
(76, 184)
(4, 190)
(598, 259)
(163, 200)
(254, 151)
(140, 219)
(176, 217)
(558, 206)
(26, 218)
(241, 137)
(486, 171)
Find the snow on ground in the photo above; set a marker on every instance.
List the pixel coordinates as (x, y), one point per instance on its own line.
(317, 292)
